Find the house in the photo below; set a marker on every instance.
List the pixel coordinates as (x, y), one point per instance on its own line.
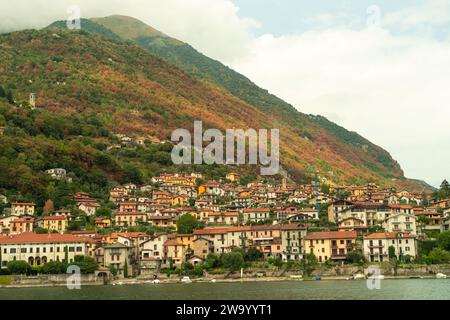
(129, 219)
(55, 223)
(256, 214)
(201, 247)
(21, 225)
(174, 252)
(292, 241)
(372, 213)
(376, 246)
(227, 218)
(38, 249)
(22, 208)
(401, 222)
(217, 236)
(57, 173)
(430, 220)
(89, 208)
(128, 206)
(85, 233)
(233, 177)
(333, 245)
(152, 253)
(163, 221)
(352, 224)
(102, 223)
(335, 208)
(117, 256)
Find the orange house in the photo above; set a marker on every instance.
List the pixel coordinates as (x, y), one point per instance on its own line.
(21, 225)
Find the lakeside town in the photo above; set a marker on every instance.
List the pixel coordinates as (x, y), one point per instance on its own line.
(184, 225)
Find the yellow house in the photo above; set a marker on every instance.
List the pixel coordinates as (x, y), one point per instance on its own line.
(178, 200)
(233, 176)
(102, 223)
(55, 223)
(333, 245)
(187, 240)
(21, 225)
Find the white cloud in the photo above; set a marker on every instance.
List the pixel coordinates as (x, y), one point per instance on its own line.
(212, 26)
(391, 88)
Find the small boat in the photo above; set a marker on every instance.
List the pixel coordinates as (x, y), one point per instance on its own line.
(186, 280)
(317, 278)
(213, 281)
(441, 276)
(156, 281)
(358, 276)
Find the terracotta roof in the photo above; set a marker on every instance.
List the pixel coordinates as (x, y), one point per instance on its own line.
(21, 220)
(42, 238)
(161, 218)
(292, 226)
(331, 235)
(257, 210)
(210, 231)
(54, 218)
(172, 243)
(387, 235)
(23, 204)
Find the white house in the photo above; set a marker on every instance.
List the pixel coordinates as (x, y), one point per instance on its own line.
(376, 246)
(401, 222)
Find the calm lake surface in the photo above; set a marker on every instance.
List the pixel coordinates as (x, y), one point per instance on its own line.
(416, 289)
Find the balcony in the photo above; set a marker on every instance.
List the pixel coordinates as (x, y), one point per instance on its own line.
(375, 245)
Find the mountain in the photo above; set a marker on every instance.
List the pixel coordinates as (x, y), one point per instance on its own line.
(91, 86)
(201, 67)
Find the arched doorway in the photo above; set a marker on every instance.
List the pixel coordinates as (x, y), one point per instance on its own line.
(44, 260)
(38, 261)
(31, 261)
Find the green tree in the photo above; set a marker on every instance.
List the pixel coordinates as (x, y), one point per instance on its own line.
(253, 254)
(113, 270)
(308, 264)
(212, 261)
(233, 261)
(391, 252)
(86, 264)
(355, 257)
(18, 267)
(125, 269)
(186, 224)
(437, 256)
(443, 240)
(53, 267)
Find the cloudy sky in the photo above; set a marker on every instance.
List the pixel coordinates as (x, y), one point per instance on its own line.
(381, 68)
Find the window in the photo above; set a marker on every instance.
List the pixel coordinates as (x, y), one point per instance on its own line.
(44, 250)
(23, 250)
(12, 250)
(71, 249)
(79, 249)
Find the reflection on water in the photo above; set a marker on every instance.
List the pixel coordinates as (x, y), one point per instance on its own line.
(286, 290)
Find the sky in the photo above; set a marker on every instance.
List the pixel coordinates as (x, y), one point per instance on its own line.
(380, 68)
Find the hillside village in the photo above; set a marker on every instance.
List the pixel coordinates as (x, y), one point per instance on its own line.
(183, 222)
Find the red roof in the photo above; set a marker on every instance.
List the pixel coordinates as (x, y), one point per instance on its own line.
(23, 204)
(42, 238)
(257, 210)
(22, 220)
(331, 235)
(54, 218)
(388, 235)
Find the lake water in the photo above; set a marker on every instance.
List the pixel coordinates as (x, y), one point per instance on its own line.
(283, 290)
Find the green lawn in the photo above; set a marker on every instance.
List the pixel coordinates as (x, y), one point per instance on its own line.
(4, 280)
